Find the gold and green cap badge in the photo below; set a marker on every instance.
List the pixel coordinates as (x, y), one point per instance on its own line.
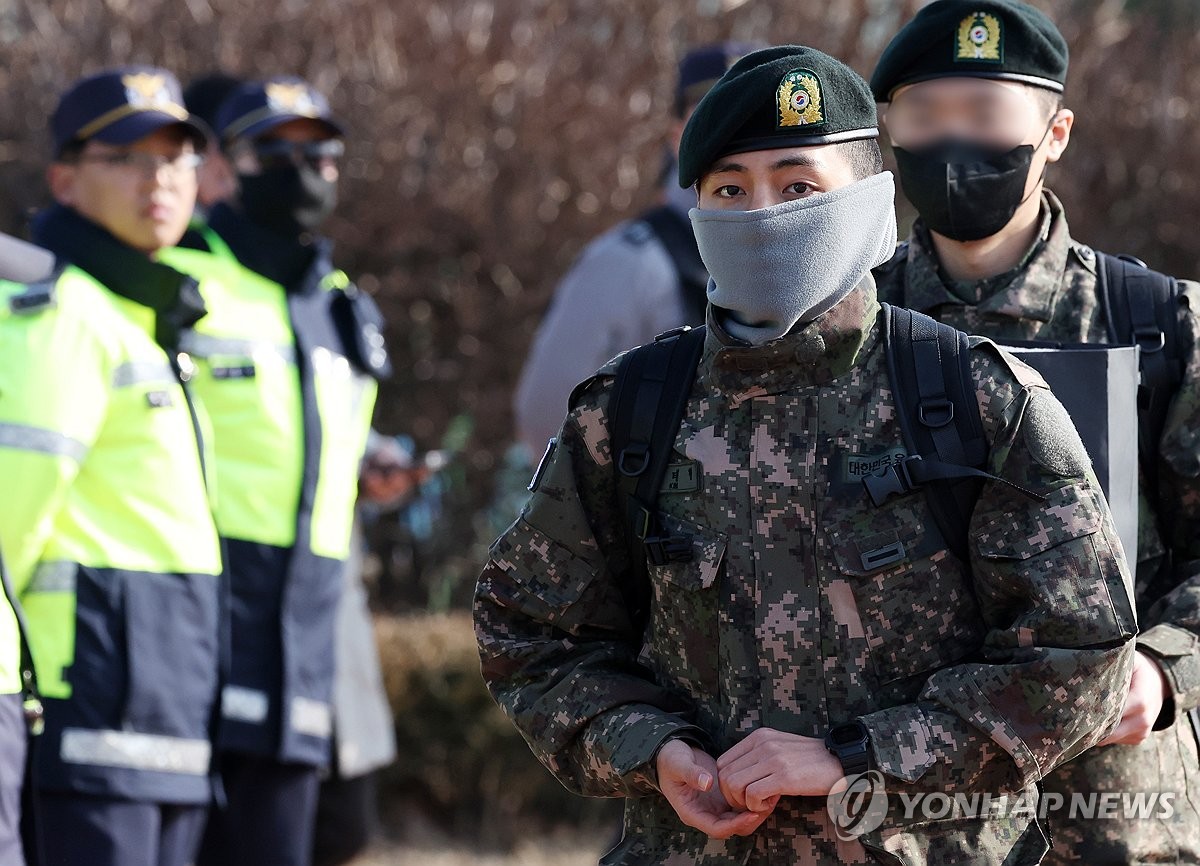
(800, 102)
(786, 96)
(1003, 39)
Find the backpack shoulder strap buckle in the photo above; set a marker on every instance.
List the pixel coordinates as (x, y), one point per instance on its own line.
(896, 480)
(935, 413)
(641, 521)
(1149, 340)
(634, 459)
(664, 549)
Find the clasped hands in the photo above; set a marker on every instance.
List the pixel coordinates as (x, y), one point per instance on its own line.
(735, 793)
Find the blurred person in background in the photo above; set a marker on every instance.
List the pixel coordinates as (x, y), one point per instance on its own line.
(637, 280)
(202, 97)
(364, 736)
(288, 364)
(105, 521)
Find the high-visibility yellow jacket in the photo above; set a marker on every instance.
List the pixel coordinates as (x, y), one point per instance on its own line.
(290, 412)
(107, 530)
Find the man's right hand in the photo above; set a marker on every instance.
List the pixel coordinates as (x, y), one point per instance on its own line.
(687, 777)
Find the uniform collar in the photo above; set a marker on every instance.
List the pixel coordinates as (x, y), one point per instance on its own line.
(281, 259)
(174, 297)
(1029, 291)
(814, 355)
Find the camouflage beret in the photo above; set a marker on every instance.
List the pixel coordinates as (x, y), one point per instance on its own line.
(1003, 39)
(787, 96)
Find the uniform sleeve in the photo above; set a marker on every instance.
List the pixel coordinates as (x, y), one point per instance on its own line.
(608, 302)
(1171, 628)
(1055, 595)
(555, 641)
(54, 382)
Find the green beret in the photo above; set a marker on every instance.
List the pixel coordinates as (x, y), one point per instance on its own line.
(1003, 39)
(787, 96)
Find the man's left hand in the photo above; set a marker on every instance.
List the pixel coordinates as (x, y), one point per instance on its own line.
(770, 764)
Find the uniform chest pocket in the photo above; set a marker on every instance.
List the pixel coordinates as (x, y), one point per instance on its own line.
(686, 613)
(917, 609)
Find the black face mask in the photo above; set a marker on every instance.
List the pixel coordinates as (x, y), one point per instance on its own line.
(965, 191)
(289, 200)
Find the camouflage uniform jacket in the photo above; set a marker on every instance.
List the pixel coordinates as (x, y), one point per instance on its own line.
(1053, 297)
(970, 678)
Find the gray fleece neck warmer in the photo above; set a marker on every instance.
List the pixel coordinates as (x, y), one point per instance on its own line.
(788, 264)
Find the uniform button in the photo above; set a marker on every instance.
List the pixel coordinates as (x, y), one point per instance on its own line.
(187, 368)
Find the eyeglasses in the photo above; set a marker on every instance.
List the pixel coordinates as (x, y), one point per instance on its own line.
(146, 164)
(277, 153)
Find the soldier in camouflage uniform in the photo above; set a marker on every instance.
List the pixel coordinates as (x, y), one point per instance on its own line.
(959, 676)
(994, 256)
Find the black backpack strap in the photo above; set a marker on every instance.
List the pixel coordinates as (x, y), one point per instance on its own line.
(1142, 309)
(648, 401)
(675, 233)
(929, 366)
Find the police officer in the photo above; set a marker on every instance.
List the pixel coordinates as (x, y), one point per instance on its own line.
(636, 280)
(203, 97)
(974, 109)
(20, 704)
(288, 362)
(105, 521)
(796, 633)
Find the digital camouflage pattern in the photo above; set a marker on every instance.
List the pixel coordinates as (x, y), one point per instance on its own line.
(976, 678)
(1052, 296)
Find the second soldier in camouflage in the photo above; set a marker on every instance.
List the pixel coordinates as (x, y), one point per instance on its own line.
(964, 82)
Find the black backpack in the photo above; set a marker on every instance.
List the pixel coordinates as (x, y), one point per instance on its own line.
(929, 367)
